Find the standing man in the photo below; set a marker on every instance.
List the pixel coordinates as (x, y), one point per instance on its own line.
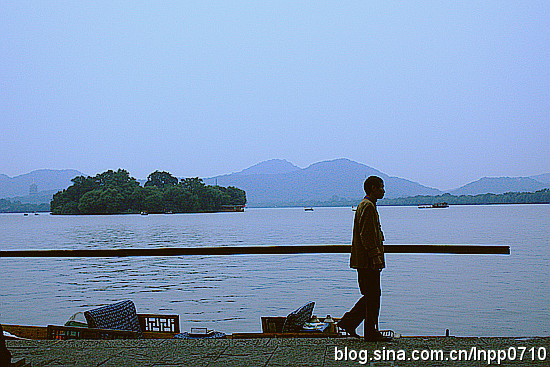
(367, 256)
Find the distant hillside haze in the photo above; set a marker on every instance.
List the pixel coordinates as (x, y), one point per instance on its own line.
(501, 185)
(46, 180)
(545, 177)
(277, 182)
(339, 178)
(270, 167)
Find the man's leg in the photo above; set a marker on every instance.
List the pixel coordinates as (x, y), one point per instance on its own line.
(354, 317)
(369, 283)
(372, 312)
(5, 355)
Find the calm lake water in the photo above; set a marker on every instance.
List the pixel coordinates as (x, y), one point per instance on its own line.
(472, 295)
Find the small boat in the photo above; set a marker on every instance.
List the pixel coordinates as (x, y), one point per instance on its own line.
(308, 209)
(232, 208)
(436, 205)
(144, 213)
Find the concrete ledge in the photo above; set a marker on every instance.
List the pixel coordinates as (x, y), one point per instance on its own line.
(275, 352)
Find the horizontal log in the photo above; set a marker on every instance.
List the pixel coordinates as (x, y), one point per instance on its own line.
(260, 250)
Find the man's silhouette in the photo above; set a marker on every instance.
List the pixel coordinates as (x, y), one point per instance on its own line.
(367, 256)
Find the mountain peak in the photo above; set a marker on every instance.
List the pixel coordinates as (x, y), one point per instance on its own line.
(337, 161)
(500, 185)
(344, 166)
(270, 167)
(279, 182)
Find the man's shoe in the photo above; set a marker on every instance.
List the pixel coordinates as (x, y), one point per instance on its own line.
(351, 332)
(376, 336)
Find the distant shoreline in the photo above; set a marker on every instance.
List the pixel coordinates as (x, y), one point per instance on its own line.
(385, 205)
(538, 197)
(257, 207)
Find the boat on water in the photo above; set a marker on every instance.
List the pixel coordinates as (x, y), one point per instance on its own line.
(436, 205)
(232, 208)
(308, 209)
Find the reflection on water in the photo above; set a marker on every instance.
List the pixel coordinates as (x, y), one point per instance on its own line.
(422, 294)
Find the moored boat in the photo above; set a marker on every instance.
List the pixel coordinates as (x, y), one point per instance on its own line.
(232, 208)
(436, 205)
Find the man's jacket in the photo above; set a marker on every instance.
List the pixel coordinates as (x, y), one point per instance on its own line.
(367, 249)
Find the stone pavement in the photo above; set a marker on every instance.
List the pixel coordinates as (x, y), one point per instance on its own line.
(280, 352)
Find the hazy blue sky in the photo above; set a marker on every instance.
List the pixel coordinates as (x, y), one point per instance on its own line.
(439, 92)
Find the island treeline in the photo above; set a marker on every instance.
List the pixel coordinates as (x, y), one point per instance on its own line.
(115, 192)
(538, 197)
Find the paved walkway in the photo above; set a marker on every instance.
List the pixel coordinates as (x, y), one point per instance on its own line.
(277, 352)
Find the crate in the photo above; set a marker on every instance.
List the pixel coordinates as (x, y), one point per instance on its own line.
(273, 324)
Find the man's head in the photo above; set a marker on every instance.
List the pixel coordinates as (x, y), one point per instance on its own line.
(374, 187)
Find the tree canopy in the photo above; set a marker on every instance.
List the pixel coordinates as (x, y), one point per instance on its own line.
(115, 192)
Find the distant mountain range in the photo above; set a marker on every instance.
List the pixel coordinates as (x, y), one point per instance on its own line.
(278, 182)
(501, 185)
(48, 182)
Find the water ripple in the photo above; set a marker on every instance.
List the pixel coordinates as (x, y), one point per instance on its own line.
(422, 294)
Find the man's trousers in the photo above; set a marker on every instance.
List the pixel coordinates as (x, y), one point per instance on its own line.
(368, 306)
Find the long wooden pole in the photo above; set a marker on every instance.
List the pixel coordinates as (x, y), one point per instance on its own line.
(261, 250)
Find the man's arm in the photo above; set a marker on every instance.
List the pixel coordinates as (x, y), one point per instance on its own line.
(370, 238)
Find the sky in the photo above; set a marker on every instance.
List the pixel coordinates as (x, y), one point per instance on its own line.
(438, 92)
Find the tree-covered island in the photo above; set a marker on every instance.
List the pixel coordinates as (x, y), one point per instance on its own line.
(115, 192)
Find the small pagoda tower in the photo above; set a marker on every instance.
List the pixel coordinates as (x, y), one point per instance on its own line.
(33, 189)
